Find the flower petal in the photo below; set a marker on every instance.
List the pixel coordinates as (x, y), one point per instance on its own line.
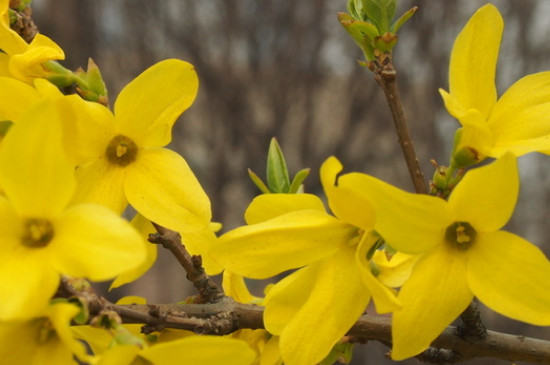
(92, 241)
(267, 206)
(436, 293)
(27, 65)
(34, 170)
(235, 287)
(198, 242)
(17, 97)
(408, 222)
(510, 276)
(395, 271)
(347, 205)
(486, 196)
(521, 114)
(101, 182)
(144, 227)
(474, 60)
(147, 107)
(204, 350)
(286, 242)
(383, 297)
(333, 298)
(161, 186)
(27, 282)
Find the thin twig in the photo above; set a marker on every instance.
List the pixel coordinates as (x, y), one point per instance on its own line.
(472, 327)
(386, 77)
(209, 292)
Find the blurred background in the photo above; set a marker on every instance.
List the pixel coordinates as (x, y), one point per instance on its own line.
(287, 69)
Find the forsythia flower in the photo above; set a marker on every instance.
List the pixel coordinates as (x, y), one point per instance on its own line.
(43, 340)
(519, 121)
(127, 162)
(465, 253)
(42, 236)
(322, 300)
(19, 59)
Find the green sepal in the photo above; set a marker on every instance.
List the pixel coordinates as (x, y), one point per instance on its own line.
(278, 180)
(59, 75)
(403, 19)
(298, 180)
(380, 12)
(258, 182)
(342, 353)
(362, 33)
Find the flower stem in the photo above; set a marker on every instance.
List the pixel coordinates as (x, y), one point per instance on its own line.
(386, 77)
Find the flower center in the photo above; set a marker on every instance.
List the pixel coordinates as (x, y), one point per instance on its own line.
(37, 232)
(461, 235)
(121, 151)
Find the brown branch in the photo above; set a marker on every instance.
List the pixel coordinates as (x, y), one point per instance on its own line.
(386, 77)
(209, 292)
(472, 327)
(227, 316)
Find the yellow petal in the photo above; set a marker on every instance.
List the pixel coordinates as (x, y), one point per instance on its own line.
(144, 227)
(148, 106)
(17, 97)
(510, 276)
(409, 222)
(267, 206)
(235, 287)
(334, 298)
(161, 186)
(521, 114)
(36, 282)
(383, 297)
(60, 315)
(474, 60)
(35, 172)
(28, 65)
(101, 182)
(486, 196)
(347, 205)
(204, 350)
(395, 271)
(198, 242)
(435, 294)
(10, 42)
(92, 241)
(286, 242)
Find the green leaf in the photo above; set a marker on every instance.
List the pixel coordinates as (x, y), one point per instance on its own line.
(298, 180)
(402, 19)
(278, 180)
(380, 12)
(258, 182)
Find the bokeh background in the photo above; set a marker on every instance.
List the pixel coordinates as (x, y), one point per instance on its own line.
(286, 68)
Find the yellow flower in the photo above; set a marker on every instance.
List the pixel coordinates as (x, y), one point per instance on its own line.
(19, 59)
(127, 162)
(322, 300)
(42, 236)
(43, 340)
(465, 253)
(519, 121)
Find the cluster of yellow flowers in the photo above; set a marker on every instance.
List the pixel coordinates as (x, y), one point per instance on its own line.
(70, 167)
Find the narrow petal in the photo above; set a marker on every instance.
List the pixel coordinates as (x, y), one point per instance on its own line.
(235, 287)
(436, 293)
(474, 60)
(10, 41)
(36, 282)
(287, 242)
(148, 106)
(383, 297)
(486, 196)
(161, 186)
(333, 303)
(35, 172)
(204, 350)
(144, 227)
(92, 241)
(198, 242)
(27, 65)
(394, 272)
(347, 205)
(267, 206)
(60, 315)
(101, 182)
(401, 215)
(510, 276)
